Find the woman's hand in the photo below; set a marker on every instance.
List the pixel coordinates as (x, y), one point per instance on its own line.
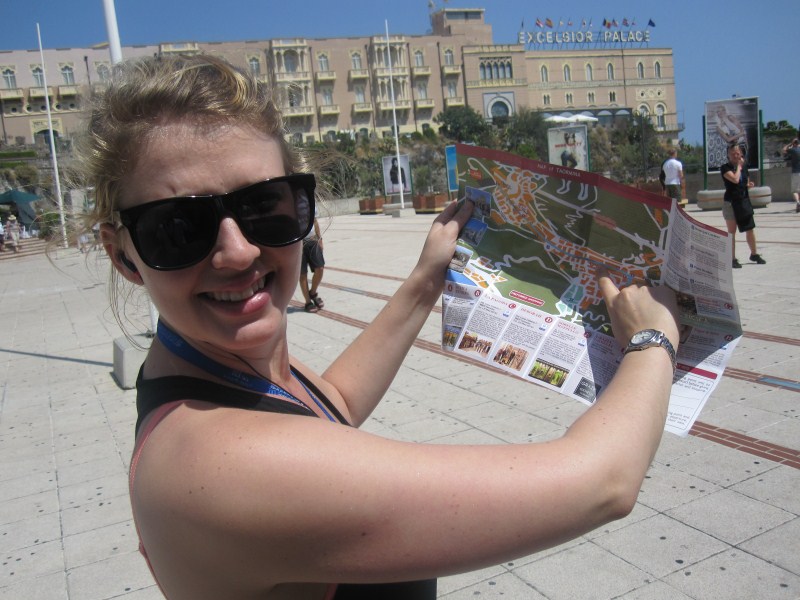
(640, 307)
(440, 244)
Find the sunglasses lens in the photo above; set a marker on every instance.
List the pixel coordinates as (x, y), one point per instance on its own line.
(176, 233)
(271, 213)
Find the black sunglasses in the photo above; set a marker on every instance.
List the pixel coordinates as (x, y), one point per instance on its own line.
(176, 233)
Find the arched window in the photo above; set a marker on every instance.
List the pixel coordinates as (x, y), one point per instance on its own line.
(589, 73)
(568, 98)
(323, 62)
(590, 97)
(449, 58)
(452, 89)
(355, 60)
(360, 95)
(644, 110)
(661, 120)
(9, 79)
(496, 71)
(545, 74)
(546, 99)
(657, 69)
(640, 71)
(255, 65)
(422, 90)
(612, 97)
(68, 75)
(499, 110)
(419, 58)
(38, 76)
(483, 72)
(327, 96)
(290, 62)
(567, 73)
(509, 72)
(610, 72)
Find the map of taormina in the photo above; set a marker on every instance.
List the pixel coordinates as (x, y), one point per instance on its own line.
(539, 232)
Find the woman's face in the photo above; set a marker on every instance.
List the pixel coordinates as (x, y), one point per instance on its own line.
(236, 298)
(734, 154)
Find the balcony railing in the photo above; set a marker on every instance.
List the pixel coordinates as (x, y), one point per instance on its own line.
(421, 71)
(284, 76)
(290, 43)
(328, 109)
(180, 47)
(38, 92)
(424, 103)
(359, 74)
(298, 111)
(454, 101)
(362, 107)
(12, 94)
(451, 70)
(395, 71)
(67, 90)
(326, 75)
(386, 105)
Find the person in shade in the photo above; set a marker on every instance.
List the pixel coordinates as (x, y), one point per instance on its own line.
(249, 476)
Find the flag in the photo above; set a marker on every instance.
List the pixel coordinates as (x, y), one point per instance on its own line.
(614, 23)
(604, 23)
(539, 22)
(590, 22)
(569, 23)
(549, 23)
(583, 24)
(633, 22)
(625, 22)
(522, 25)
(650, 23)
(561, 23)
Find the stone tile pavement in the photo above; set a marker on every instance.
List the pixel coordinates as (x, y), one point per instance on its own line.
(717, 517)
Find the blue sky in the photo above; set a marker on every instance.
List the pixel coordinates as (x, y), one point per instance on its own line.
(720, 48)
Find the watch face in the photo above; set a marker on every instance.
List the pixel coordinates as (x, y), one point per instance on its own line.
(642, 336)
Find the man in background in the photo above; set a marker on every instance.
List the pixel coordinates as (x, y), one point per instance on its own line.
(674, 182)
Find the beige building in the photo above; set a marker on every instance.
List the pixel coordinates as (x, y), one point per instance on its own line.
(345, 85)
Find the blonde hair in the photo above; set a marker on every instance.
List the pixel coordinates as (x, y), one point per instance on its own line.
(145, 94)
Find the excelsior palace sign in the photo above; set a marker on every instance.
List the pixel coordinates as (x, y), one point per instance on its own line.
(610, 33)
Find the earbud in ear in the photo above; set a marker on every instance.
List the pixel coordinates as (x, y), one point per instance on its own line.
(127, 262)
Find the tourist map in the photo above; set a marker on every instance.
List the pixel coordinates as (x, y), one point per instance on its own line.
(522, 294)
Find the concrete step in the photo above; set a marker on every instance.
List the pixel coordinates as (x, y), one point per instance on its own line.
(28, 247)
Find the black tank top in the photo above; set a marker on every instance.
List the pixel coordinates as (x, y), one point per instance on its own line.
(152, 393)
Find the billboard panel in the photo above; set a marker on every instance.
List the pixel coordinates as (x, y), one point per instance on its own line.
(732, 121)
(394, 174)
(569, 146)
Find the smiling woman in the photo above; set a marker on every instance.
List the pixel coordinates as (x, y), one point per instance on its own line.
(249, 477)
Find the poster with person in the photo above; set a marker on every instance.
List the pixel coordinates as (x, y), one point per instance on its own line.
(568, 146)
(396, 174)
(732, 121)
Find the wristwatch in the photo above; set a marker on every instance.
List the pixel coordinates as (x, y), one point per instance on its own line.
(648, 338)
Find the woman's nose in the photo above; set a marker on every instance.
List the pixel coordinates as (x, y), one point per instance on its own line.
(233, 249)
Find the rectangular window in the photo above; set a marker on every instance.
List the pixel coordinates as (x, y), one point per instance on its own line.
(360, 97)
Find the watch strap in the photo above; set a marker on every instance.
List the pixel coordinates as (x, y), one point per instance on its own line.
(658, 338)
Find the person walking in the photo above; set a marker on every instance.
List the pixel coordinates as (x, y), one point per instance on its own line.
(792, 153)
(674, 182)
(736, 208)
(13, 232)
(313, 259)
(249, 476)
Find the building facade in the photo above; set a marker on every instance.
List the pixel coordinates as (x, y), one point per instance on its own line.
(331, 86)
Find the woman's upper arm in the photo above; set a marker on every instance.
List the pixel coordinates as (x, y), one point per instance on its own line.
(289, 498)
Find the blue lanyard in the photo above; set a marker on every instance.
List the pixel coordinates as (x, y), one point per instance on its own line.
(179, 347)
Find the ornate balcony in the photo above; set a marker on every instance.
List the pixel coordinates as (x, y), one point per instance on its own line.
(12, 94)
(386, 105)
(38, 92)
(285, 76)
(421, 71)
(65, 91)
(290, 43)
(451, 70)
(326, 75)
(298, 111)
(359, 74)
(328, 109)
(396, 71)
(454, 101)
(424, 103)
(362, 107)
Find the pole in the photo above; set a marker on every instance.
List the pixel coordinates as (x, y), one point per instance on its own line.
(394, 118)
(52, 136)
(112, 31)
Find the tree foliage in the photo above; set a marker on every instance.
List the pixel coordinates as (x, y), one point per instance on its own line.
(464, 124)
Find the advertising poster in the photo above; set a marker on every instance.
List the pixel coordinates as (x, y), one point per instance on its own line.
(568, 146)
(732, 121)
(396, 174)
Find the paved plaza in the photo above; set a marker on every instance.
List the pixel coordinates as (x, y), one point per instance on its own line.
(717, 519)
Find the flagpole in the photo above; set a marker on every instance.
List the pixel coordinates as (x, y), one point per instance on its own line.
(394, 118)
(51, 135)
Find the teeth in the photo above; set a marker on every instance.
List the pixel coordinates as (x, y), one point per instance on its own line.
(239, 296)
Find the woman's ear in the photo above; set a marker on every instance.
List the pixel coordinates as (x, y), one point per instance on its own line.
(112, 244)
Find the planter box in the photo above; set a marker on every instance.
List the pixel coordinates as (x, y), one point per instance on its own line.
(430, 203)
(760, 196)
(371, 206)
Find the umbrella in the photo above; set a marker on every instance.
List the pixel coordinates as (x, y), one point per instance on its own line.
(557, 119)
(583, 119)
(17, 197)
